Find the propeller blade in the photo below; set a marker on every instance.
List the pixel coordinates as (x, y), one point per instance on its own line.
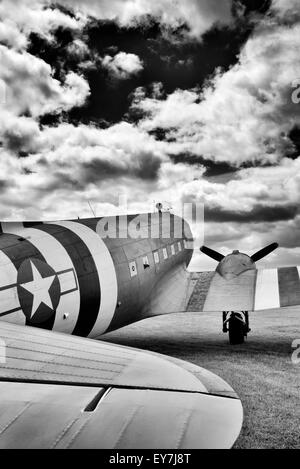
(264, 252)
(211, 253)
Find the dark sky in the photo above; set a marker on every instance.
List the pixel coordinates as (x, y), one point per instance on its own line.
(168, 55)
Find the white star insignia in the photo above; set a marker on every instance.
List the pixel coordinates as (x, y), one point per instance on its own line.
(39, 287)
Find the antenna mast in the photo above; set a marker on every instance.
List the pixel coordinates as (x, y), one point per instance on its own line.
(92, 210)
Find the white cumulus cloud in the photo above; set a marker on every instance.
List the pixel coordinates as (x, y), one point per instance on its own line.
(21, 17)
(199, 15)
(30, 86)
(242, 115)
(123, 65)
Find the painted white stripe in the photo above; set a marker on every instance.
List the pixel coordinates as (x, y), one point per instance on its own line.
(7, 226)
(9, 299)
(106, 272)
(57, 257)
(8, 272)
(267, 289)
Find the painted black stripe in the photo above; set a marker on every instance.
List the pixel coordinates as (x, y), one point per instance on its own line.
(32, 224)
(89, 285)
(289, 286)
(254, 289)
(18, 249)
(200, 291)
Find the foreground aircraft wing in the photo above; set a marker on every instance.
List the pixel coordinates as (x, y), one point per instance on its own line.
(250, 291)
(61, 391)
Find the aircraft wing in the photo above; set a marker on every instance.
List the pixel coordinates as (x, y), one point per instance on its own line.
(60, 391)
(250, 291)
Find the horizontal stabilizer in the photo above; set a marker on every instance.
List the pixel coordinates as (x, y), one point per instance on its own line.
(250, 291)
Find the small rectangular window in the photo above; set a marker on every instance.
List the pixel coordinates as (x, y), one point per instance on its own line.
(146, 262)
(179, 246)
(165, 254)
(156, 257)
(172, 249)
(132, 269)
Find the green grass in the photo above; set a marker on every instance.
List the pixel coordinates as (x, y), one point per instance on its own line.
(260, 371)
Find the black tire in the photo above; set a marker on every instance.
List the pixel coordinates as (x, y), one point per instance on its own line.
(236, 330)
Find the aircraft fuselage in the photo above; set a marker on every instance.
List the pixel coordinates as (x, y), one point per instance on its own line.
(85, 277)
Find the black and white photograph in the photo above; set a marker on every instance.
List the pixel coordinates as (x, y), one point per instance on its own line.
(149, 227)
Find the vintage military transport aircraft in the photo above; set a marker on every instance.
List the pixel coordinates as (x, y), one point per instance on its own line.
(63, 279)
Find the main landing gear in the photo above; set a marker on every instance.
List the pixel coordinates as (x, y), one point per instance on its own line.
(237, 324)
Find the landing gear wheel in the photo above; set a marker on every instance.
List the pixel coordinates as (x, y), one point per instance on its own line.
(237, 324)
(236, 328)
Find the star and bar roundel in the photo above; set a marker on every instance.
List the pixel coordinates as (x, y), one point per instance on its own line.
(37, 292)
(59, 275)
(38, 289)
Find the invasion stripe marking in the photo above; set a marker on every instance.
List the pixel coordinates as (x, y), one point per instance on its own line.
(106, 273)
(267, 289)
(11, 226)
(57, 257)
(89, 287)
(32, 224)
(9, 300)
(289, 286)
(8, 245)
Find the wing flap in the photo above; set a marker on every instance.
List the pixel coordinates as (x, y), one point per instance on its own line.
(48, 416)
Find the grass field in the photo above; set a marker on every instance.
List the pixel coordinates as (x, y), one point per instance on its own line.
(260, 371)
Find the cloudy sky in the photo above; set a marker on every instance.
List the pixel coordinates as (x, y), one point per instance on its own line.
(173, 101)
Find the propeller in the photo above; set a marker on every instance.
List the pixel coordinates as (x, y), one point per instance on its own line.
(256, 257)
(264, 252)
(211, 253)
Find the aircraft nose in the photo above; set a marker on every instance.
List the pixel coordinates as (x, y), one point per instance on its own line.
(229, 275)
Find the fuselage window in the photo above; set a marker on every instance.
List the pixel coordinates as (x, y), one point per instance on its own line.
(172, 249)
(179, 246)
(132, 269)
(156, 257)
(165, 254)
(146, 262)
